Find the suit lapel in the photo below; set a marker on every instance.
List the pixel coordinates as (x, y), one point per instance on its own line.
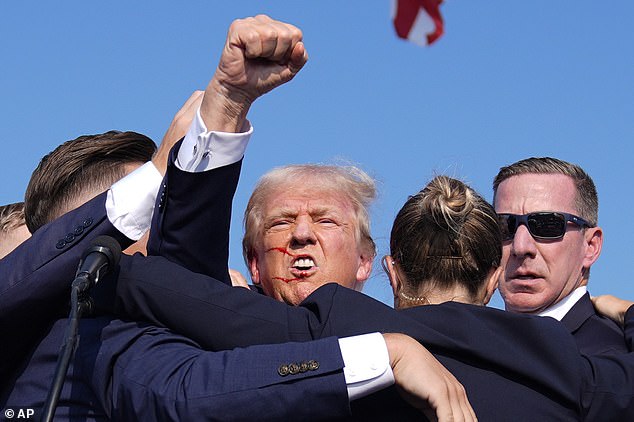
(579, 313)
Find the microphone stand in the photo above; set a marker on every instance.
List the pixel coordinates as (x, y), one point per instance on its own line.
(101, 257)
(80, 305)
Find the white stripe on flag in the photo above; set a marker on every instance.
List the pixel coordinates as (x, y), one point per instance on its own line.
(423, 25)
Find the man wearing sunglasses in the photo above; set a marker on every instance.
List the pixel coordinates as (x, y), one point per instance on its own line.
(548, 215)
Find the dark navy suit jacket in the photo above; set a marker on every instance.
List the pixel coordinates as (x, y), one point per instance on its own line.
(132, 371)
(594, 334)
(515, 367)
(27, 305)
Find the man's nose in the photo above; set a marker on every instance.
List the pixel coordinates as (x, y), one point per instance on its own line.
(523, 243)
(303, 232)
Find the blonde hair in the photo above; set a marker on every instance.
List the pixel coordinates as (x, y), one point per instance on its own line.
(446, 235)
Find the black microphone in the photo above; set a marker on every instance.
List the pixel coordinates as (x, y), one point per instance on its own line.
(99, 259)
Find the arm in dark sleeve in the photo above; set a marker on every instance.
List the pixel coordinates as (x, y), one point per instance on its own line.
(472, 337)
(609, 392)
(629, 328)
(536, 352)
(191, 222)
(217, 316)
(156, 375)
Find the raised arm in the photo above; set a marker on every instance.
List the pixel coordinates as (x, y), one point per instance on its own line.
(177, 130)
(191, 226)
(260, 54)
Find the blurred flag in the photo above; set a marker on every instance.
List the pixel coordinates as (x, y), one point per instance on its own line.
(417, 20)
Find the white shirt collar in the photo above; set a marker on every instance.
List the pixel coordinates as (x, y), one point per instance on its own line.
(561, 308)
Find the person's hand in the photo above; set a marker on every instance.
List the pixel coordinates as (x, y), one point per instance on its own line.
(260, 54)
(237, 279)
(424, 383)
(177, 130)
(612, 307)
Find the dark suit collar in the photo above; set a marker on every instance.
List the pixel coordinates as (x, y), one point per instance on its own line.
(579, 313)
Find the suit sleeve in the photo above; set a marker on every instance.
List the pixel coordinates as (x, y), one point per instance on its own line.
(217, 316)
(629, 328)
(153, 374)
(537, 351)
(35, 278)
(609, 393)
(190, 226)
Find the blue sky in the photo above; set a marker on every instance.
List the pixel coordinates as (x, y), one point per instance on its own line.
(508, 80)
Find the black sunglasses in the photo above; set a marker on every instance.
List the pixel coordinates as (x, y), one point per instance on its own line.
(541, 225)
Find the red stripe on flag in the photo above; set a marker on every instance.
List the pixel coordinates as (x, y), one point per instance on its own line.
(407, 11)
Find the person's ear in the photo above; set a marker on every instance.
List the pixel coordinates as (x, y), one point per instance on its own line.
(593, 237)
(491, 283)
(253, 268)
(365, 269)
(389, 267)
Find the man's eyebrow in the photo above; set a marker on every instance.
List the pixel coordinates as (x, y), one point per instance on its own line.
(280, 213)
(321, 211)
(292, 212)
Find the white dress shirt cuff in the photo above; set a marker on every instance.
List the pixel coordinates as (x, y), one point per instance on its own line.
(130, 201)
(205, 150)
(367, 364)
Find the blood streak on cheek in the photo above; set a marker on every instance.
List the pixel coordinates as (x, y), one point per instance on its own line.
(285, 252)
(285, 280)
(282, 250)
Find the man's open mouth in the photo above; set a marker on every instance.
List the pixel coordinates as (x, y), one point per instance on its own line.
(303, 264)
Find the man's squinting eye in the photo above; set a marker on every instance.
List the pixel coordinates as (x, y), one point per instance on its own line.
(279, 224)
(326, 221)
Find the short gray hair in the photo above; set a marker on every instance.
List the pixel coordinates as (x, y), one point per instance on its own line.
(586, 199)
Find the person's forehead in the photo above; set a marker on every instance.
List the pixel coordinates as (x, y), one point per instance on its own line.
(297, 197)
(536, 192)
